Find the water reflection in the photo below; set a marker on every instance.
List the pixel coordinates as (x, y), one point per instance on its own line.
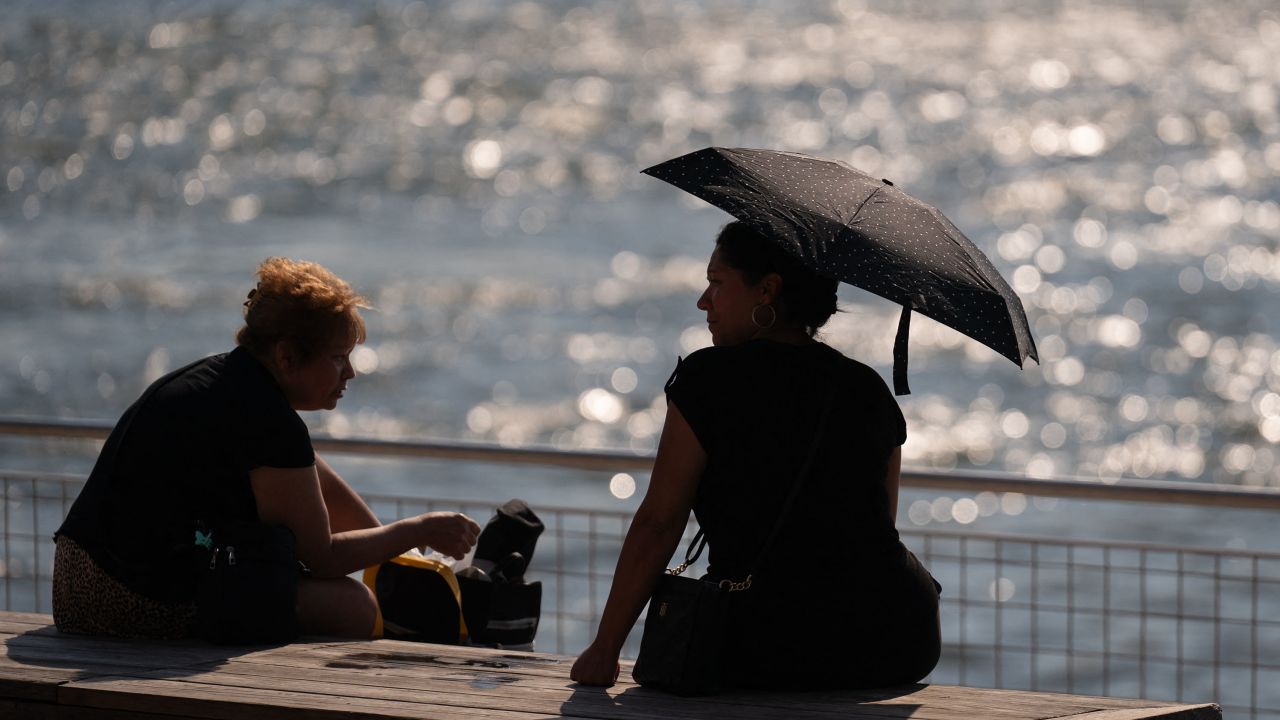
(1118, 163)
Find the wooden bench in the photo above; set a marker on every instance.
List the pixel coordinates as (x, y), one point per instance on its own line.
(46, 675)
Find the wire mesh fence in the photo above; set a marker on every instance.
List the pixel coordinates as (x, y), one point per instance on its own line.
(1018, 612)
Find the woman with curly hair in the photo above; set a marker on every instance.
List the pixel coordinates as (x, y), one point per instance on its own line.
(220, 440)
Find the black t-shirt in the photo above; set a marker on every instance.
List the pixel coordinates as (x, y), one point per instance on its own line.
(837, 596)
(181, 455)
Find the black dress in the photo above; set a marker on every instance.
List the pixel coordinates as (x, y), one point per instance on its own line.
(838, 601)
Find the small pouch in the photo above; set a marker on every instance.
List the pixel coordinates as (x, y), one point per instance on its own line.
(247, 584)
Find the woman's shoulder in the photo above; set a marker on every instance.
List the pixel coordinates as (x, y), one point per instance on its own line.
(751, 357)
(696, 367)
(709, 356)
(855, 371)
(233, 386)
(722, 360)
(194, 378)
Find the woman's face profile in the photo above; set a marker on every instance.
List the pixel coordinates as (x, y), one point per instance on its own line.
(728, 302)
(319, 382)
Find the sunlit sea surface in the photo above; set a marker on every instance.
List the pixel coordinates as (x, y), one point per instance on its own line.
(473, 167)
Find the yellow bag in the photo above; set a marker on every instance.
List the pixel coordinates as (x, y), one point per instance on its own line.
(418, 599)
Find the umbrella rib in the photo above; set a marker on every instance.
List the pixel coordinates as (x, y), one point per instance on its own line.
(862, 204)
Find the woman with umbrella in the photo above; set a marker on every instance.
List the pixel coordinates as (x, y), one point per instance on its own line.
(837, 600)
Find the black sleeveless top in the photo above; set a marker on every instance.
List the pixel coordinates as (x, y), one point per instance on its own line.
(755, 408)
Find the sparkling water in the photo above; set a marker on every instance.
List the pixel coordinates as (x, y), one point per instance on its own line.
(473, 167)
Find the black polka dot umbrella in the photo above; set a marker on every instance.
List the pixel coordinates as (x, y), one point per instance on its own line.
(845, 224)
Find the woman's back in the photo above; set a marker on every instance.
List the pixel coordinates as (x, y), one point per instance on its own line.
(183, 454)
(837, 577)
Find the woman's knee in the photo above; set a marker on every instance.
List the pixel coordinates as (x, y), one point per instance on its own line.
(336, 606)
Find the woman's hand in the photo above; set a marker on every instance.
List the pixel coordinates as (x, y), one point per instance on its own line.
(596, 666)
(654, 533)
(450, 533)
(294, 497)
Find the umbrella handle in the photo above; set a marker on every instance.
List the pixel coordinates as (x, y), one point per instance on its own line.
(900, 353)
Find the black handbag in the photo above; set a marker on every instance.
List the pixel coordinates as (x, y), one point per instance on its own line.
(247, 584)
(684, 630)
(681, 650)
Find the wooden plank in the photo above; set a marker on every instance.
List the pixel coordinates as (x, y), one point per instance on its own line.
(45, 711)
(114, 656)
(27, 710)
(390, 657)
(38, 658)
(36, 636)
(380, 655)
(980, 697)
(26, 617)
(480, 683)
(93, 678)
(10, 627)
(446, 673)
(1206, 711)
(629, 704)
(23, 682)
(209, 702)
(513, 695)
(232, 702)
(441, 698)
(386, 656)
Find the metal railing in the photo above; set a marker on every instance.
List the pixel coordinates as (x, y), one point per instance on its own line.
(1020, 612)
(1155, 491)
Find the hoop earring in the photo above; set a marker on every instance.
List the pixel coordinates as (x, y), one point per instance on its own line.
(773, 316)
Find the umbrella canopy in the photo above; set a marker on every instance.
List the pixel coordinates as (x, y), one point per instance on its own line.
(844, 224)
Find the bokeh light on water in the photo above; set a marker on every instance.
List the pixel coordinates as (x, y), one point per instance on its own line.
(474, 167)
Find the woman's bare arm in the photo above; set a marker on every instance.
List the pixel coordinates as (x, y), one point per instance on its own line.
(293, 497)
(892, 480)
(347, 510)
(655, 531)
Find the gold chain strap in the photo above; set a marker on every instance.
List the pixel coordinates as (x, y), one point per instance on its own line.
(726, 584)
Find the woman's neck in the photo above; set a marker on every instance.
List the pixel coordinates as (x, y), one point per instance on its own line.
(785, 335)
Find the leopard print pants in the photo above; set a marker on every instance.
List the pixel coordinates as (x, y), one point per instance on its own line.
(88, 601)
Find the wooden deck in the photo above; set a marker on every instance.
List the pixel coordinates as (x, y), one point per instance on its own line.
(46, 675)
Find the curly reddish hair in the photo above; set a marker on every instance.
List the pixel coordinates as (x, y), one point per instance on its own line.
(302, 304)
